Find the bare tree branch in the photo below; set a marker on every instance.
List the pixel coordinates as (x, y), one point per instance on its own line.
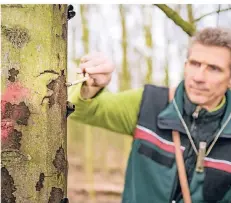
(211, 13)
(177, 19)
(218, 13)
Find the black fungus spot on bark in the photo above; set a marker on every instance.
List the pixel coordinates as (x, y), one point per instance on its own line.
(64, 31)
(17, 35)
(59, 95)
(60, 162)
(39, 184)
(19, 113)
(59, 91)
(12, 141)
(7, 187)
(56, 195)
(13, 74)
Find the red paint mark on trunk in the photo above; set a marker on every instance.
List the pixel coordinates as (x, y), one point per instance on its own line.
(14, 94)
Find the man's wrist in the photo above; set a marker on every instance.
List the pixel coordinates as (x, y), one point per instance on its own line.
(88, 92)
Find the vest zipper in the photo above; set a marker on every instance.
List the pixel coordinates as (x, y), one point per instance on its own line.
(195, 116)
(176, 182)
(196, 112)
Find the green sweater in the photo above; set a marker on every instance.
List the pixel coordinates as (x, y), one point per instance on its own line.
(114, 111)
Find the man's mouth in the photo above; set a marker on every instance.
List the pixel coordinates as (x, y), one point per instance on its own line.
(198, 89)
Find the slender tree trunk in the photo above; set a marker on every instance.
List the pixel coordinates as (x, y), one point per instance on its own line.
(148, 39)
(166, 66)
(33, 103)
(88, 136)
(166, 62)
(124, 75)
(125, 78)
(178, 8)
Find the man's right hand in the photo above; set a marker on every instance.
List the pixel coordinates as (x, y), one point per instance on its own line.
(99, 69)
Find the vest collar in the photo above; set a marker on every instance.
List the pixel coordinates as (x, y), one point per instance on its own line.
(168, 118)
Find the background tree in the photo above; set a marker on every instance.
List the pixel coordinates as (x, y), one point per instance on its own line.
(147, 16)
(88, 139)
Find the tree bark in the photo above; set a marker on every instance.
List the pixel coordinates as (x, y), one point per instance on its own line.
(33, 103)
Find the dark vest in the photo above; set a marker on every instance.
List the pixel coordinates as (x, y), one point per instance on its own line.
(151, 175)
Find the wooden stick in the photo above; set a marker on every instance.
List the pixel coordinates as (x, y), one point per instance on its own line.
(68, 84)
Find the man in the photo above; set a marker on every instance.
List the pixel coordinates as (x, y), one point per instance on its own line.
(200, 112)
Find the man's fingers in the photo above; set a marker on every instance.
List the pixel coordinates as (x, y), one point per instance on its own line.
(101, 80)
(92, 63)
(91, 56)
(90, 81)
(98, 67)
(103, 68)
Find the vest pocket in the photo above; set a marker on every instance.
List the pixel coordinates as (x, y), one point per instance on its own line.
(216, 184)
(153, 173)
(155, 155)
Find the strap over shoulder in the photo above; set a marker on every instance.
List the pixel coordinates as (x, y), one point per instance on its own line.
(180, 160)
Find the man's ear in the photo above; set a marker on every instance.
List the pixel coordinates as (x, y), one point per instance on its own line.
(229, 85)
(185, 64)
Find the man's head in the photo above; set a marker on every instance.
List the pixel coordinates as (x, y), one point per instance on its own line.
(208, 67)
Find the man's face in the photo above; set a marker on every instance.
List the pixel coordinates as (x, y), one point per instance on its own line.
(207, 74)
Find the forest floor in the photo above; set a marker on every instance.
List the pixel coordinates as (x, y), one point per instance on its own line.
(101, 186)
(105, 187)
(97, 164)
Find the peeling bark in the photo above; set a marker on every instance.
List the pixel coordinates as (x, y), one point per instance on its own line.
(7, 187)
(56, 195)
(39, 184)
(60, 162)
(17, 35)
(13, 74)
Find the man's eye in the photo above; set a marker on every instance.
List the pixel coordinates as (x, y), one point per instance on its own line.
(195, 63)
(214, 68)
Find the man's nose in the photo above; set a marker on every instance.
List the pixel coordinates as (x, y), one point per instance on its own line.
(199, 74)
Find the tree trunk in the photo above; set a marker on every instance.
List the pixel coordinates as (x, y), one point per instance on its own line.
(148, 39)
(166, 62)
(88, 136)
(125, 78)
(33, 125)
